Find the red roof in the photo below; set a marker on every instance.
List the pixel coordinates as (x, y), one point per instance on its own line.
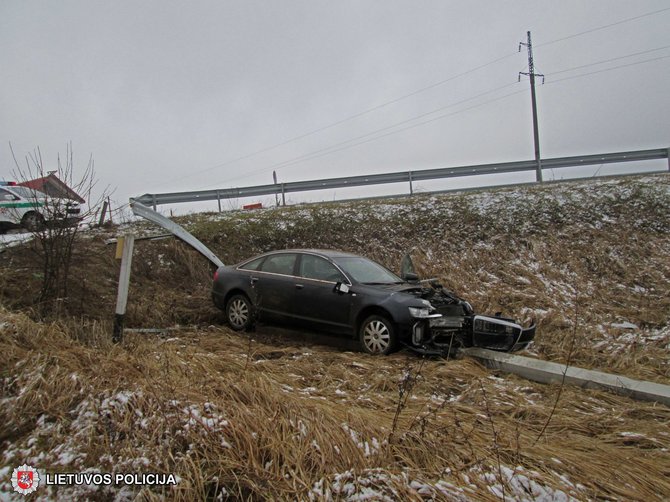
(51, 185)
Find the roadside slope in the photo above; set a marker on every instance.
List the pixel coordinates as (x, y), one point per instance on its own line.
(263, 415)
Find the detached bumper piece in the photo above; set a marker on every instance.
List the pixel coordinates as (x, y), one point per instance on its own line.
(442, 336)
(496, 333)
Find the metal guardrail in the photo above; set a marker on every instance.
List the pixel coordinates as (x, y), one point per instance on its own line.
(399, 177)
(140, 209)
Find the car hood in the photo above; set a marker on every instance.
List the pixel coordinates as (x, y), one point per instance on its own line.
(411, 290)
(404, 287)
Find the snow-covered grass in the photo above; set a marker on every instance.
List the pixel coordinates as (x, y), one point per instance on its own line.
(14, 238)
(578, 258)
(283, 418)
(314, 424)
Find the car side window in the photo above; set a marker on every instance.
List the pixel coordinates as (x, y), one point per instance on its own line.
(5, 195)
(252, 265)
(279, 264)
(315, 267)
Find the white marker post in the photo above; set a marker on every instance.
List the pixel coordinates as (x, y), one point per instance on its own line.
(124, 250)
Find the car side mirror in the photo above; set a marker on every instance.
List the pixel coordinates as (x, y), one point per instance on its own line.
(407, 270)
(341, 288)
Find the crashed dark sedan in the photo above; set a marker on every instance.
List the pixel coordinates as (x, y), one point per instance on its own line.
(349, 294)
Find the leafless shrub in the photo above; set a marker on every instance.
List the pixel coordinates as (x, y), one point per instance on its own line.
(54, 222)
(406, 384)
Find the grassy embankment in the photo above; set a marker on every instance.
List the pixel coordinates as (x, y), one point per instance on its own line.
(281, 417)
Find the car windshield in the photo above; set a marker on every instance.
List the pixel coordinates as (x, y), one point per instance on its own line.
(27, 193)
(366, 271)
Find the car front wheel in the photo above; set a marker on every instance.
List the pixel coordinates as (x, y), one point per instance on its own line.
(377, 335)
(239, 313)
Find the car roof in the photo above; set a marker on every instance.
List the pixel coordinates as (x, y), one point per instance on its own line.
(328, 253)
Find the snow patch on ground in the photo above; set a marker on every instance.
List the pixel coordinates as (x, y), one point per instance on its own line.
(504, 482)
(14, 239)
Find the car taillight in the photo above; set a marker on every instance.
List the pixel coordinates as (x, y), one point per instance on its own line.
(216, 275)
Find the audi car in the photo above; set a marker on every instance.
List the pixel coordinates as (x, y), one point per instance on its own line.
(354, 296)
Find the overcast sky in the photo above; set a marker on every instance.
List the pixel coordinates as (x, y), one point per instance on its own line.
(170, 96)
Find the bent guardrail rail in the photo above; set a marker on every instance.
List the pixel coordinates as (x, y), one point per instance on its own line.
(143, 211)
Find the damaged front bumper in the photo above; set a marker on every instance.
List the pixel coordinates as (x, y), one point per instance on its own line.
(442, 335)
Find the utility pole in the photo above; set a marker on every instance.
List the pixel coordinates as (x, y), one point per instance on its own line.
(536, 135)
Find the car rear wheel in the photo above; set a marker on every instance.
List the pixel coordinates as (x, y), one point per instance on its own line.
(239, 312)
(32, 221)
(377, 335)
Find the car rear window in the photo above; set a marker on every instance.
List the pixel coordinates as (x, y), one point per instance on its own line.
(279, 264)
(252, 265)
(5, 195)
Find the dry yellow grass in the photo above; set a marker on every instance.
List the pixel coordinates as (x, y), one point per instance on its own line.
(254, 421)
(279, 418)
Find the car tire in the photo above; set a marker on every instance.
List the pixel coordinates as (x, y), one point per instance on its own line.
(240, 313)
(32, 221)
(377, 335)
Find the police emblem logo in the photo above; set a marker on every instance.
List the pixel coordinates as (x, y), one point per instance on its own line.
(25, 479)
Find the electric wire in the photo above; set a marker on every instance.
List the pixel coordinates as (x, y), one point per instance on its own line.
(353, 142)
(603, 27)
(346, 119)
(610, 60)
(419, 91)
(341, 145)
(440, 117)
(607, 69)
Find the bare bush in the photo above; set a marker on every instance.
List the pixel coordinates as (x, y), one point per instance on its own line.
(55, 220)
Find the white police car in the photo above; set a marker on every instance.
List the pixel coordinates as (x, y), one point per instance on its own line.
(31, 209)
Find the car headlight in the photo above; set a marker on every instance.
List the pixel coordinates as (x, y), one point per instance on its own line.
(419, 312)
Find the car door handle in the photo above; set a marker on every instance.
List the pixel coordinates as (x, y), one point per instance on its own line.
(254, 280)
(299, 286)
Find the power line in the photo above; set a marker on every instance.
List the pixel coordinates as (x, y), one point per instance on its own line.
(607, 69)
(592, 30)
(349, 118)
(341, 145)
(405, 96)
(440, 117)
(411, 119)
(610, 60)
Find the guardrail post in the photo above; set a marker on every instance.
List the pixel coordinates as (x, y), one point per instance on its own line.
(101, 221)
(668, 154)
(411, 188)
(154, 201)
(283, 195)
(125, 247)
(218, 199)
